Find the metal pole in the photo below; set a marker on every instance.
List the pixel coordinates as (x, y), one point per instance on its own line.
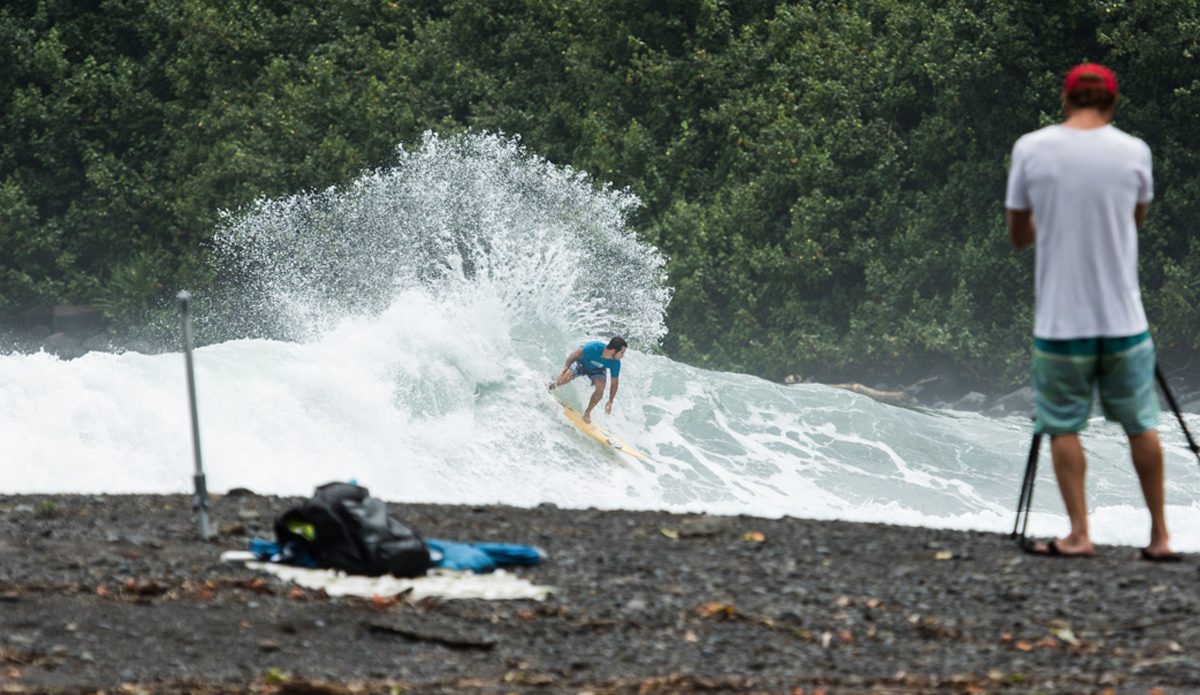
(200, 499)
(1162, 382)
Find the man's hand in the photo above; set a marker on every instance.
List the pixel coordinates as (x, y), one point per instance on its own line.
(608, 407)
(564, 377)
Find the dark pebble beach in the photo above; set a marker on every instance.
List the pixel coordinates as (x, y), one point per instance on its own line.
(117, 593)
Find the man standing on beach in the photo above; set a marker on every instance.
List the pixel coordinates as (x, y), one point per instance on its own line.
(1079, 191)
(591, 359)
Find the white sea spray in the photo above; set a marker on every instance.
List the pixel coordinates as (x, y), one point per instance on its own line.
(469, 214)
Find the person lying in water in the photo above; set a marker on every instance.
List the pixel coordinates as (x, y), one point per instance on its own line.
(590, 360)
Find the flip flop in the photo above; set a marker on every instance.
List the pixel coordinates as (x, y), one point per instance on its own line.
(1168, 557)
(1050, 551)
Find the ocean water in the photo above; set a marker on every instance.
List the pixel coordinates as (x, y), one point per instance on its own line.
(404, 329)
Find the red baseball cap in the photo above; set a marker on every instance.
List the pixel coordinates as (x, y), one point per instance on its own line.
(1091, 75)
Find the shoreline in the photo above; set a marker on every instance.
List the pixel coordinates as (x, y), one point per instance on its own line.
(645, 602)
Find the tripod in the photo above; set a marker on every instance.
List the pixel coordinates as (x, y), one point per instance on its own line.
(1025, 501)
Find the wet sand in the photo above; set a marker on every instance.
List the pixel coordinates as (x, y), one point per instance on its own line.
(117, 593)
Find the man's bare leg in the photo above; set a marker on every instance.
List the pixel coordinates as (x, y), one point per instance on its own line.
(1148, 462)
(1070, 467)
(564, 377)
(596, 396)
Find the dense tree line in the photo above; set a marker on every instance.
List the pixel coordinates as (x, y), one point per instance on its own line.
(826, 177)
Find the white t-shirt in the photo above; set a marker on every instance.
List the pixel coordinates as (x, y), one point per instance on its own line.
(1083, 186)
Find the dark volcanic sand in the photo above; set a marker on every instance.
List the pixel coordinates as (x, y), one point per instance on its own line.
(832, 606)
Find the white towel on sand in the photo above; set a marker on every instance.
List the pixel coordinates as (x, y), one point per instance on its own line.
(447, 584)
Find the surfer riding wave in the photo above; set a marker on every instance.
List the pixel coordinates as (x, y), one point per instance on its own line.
(590, 360)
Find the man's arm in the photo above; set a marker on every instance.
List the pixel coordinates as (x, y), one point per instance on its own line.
(612, 393)
(566, 375)
(1139, 214)
(1021, 231)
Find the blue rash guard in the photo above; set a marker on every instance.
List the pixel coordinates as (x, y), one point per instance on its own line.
(593, 364)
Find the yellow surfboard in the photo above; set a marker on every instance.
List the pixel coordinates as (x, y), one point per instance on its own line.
(597, 431)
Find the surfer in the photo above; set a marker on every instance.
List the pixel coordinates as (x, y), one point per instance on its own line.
(1079, 191)
(591, 359)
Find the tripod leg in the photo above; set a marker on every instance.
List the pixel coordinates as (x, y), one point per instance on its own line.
(1025, 502)
(1162, 383)
(1023, 541)
(1021, 502)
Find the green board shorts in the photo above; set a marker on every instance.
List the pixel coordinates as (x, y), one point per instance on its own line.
(1067, 372)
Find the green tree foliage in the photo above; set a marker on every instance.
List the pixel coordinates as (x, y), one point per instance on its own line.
(825, 177)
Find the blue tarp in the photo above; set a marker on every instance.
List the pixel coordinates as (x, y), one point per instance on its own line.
(479, 557)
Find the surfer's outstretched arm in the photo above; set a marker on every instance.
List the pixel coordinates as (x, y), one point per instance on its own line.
(612, 393)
